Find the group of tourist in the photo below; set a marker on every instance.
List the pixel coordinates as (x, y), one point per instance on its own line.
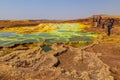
(99, 21)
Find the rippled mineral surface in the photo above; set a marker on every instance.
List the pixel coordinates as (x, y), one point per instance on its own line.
(48, 32)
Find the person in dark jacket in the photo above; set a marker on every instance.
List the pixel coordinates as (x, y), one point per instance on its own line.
(110, 26)
(112, 21)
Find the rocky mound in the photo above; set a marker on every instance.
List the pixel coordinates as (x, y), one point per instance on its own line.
(34, 63)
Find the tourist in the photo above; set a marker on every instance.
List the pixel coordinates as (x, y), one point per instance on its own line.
(95, 20)
(103, 23)
(99, 19)
(112, 21)
(110, 26)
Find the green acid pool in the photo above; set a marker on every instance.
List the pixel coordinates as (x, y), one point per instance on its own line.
(60, 35)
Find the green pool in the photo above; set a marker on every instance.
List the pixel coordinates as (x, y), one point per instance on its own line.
(60, 35)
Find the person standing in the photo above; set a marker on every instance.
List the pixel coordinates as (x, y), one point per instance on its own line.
(99, 19)
(112, 21)
(95, 20)
(103, 23)
(110, 26)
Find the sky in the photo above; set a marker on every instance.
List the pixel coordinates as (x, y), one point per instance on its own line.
(56, 9)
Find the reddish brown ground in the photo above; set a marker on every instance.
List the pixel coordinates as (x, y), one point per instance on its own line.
(108, 47)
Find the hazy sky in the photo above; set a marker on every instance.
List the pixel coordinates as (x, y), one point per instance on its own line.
(56, 9)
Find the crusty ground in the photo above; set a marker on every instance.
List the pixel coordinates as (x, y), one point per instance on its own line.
(98, 61)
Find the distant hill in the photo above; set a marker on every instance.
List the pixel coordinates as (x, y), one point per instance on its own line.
(19, 23)
(109, 16)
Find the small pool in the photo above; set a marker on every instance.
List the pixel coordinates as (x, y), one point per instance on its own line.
(46, 48)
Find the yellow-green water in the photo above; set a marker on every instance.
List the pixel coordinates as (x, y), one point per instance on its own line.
(51, 33)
